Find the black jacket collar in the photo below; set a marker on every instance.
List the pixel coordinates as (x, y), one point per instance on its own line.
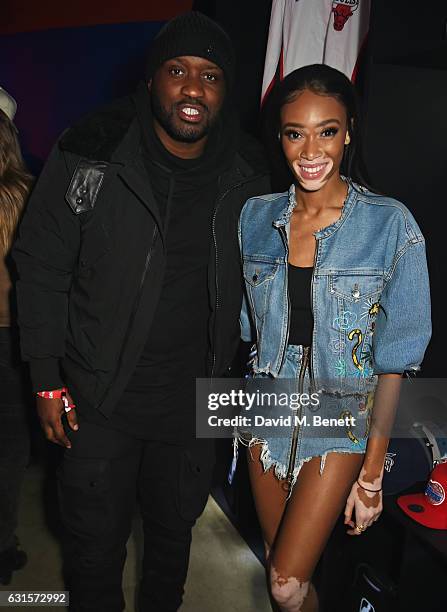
(98, 135)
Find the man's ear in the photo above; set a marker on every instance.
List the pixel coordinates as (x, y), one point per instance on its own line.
(149, 84)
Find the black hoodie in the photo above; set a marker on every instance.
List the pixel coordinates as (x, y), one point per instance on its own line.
(160, 397)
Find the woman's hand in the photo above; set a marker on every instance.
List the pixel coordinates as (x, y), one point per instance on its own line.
(367, 507)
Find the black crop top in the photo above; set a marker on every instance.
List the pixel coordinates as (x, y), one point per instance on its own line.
(301, 320)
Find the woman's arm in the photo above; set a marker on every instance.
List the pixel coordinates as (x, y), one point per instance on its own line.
(401, 335)
(382, 419)
(365, 499)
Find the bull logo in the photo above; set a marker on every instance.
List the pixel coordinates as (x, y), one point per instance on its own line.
(343, 9)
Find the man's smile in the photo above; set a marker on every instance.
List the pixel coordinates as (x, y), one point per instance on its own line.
(191, 113)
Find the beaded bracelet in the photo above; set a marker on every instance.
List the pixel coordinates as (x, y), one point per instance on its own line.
(369, 490)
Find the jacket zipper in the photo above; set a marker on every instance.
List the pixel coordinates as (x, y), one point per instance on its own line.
(305, 362)
(216, 259)
(296, 429)
(134, 310)
(284, 237)
(311, 368)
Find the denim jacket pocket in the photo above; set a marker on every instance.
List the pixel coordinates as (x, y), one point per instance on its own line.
(355, 286)
(354, 309)
(258, 277)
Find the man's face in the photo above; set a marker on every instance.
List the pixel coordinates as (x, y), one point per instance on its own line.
(187, 94)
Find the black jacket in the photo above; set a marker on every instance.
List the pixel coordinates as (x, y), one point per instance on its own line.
(91, 258)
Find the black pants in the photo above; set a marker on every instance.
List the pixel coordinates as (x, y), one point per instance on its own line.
(100, 479)
(14, 434)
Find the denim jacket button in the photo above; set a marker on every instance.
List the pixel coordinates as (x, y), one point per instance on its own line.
(355, 294)
(255, 277)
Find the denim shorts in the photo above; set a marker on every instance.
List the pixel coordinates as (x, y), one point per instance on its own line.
(333, 424)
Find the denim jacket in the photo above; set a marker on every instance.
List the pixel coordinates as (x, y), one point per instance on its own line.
(370, 294)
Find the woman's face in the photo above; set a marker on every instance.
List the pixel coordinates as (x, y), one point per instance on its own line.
(313, 134)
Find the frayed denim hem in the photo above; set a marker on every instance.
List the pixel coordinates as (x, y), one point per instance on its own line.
(280, 469)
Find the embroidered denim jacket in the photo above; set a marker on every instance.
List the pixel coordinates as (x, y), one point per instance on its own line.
(370, 290)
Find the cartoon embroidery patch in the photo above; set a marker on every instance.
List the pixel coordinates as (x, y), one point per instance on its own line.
(347, 414)
(345, 320)
(371, 309)
(340, 368)
(337, 346)
(349, 432)
(356, 333)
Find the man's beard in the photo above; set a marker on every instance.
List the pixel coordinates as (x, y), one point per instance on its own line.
(174, 127)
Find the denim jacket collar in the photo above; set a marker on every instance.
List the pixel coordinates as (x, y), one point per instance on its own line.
(286, 213)
(351, 197)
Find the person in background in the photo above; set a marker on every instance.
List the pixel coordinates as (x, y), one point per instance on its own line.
(338, 304)
(15, 182)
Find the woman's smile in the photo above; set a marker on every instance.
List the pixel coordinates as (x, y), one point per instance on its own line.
(314, 173)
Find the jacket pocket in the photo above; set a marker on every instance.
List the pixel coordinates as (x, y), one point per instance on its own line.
(354, 286)
(258, 277)
(353, 312)
(195, 477)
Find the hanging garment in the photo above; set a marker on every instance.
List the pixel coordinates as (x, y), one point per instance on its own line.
(306, 32)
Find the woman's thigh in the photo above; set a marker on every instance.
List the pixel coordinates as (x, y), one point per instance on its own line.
(269, 495)
(298, 529)
(312, 511)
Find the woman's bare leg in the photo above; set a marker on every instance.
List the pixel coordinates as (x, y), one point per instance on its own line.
(297, 530)
(269, 496)
(270, 501)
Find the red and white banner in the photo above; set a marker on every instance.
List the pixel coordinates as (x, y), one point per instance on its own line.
(306, 32)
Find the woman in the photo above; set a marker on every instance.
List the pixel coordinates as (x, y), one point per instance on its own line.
(337, 301)
(14, 186)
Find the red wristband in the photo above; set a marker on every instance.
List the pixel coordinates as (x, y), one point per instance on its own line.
(56, 394)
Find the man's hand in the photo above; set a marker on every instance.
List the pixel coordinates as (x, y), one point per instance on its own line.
(50, 413)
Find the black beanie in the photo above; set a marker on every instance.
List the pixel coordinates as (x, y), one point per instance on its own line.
(192, 34)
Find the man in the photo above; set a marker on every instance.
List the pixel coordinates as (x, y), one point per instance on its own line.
(130, 288)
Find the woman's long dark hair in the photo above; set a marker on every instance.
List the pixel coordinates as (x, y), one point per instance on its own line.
(322, 80)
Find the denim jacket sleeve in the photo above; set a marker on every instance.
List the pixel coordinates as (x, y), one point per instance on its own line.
(403, 325)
